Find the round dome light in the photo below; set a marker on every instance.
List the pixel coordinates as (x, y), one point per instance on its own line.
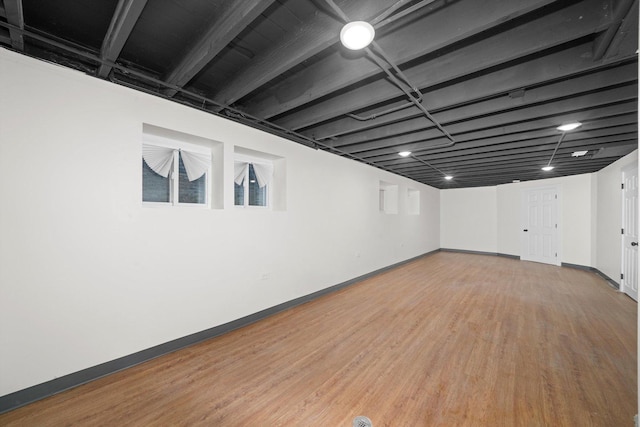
(569, 126)
(357, 35)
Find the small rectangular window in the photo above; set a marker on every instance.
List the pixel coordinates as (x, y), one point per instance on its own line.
(175, 174)
(251, 183)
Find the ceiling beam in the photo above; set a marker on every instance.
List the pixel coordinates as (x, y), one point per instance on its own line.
(566, 25)
(514, 119)
(124, 19)
(621, 13)
(232, 20)
(527, 154)
(15, 16)
(434, 31)
(480, 151)
(5, 36)
(622, 131)
(445, 113)
(533, 149)
(306, 40)
(484, 115)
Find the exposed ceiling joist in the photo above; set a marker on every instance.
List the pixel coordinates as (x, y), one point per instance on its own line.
(560, 86)
(615, 116)
(307, 40)
(332, 73)
(499, 76)
(565, 25)
(620, 13)
(518, 118)
(15, 16)
(125, 17)
(233, 19)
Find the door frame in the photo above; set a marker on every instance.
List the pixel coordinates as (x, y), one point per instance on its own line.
(623, 171)
(524, 222)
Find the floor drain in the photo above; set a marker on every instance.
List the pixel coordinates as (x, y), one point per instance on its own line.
(362, 421)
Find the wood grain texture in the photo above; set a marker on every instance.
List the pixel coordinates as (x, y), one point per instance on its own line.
(449, 339)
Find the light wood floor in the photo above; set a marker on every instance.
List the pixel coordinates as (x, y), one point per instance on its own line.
(448, 340)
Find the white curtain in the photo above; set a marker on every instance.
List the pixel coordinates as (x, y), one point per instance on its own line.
(264, 172)
(239, 172)
(159, 159)
(196, 164)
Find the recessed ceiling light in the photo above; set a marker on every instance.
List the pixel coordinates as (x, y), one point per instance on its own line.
(448, 177)
(404, 153)
(569, 126)
(547, 168)
(516, 180)
(579, 153)
(357, 35)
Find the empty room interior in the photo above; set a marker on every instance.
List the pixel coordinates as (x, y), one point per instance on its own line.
(319, 212)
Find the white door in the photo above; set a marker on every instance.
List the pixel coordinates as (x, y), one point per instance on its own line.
(540, 225)
(629, 279)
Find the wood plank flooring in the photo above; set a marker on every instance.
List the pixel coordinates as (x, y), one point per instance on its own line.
(448, 340)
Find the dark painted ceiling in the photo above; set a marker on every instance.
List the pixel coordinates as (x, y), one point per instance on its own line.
(474, 89)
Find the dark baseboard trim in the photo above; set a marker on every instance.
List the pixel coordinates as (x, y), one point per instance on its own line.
(23, 397)
(510, 256)
(463, 251)
(608, 279)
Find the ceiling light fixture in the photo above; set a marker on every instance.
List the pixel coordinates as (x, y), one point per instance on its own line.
(404, 153)
(448, 177)
(564, 129)
(579, 153)
(569, 126)
(357, 35)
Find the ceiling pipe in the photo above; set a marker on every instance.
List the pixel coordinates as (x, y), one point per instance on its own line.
(249, 120)
(404, 13)
(444, 175)
(413, 99)
(555, 150)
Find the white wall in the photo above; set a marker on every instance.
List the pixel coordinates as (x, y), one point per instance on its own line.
(590, 213)
(87, 274)
(576, 210)
(609, 217)
(469, 219)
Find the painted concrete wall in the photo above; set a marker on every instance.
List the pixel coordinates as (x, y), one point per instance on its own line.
(88, 274)
(590, 217)
(609, 217)
(575, 212)
(489, 219)
(469, 219)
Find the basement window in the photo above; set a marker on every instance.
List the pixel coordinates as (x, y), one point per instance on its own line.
(388, 198)
(175, 173)
(252, 181)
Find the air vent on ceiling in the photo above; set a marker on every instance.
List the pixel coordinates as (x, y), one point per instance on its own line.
(619, 151)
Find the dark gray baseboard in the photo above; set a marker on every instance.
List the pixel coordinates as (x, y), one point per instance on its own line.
(609, 280)
(463, 251)
(40, 391)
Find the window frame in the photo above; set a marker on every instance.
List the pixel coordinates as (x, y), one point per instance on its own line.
(242, 158)
(174, 173)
